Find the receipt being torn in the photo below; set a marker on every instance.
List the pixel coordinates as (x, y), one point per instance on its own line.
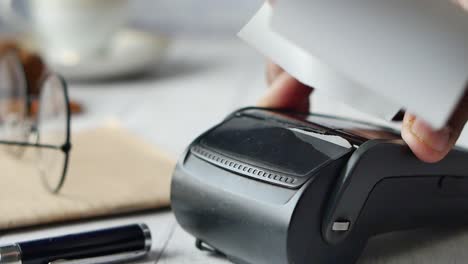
(377, 56)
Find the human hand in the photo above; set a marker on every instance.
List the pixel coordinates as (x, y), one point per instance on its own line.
(427, 144)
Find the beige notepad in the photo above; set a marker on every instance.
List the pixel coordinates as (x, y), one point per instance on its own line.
(111, 172)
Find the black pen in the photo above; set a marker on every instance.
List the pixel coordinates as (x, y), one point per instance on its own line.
(101, 246)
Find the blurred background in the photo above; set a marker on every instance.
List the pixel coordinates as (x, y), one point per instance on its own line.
(221, 17)
(211, 17)
(166, 53)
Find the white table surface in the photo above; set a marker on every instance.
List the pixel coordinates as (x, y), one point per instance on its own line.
(200, 82)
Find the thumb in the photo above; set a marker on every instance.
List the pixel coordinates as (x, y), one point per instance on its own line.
(431, 145)
(287, 93)
(427, 144)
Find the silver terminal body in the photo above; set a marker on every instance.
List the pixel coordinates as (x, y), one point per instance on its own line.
(10, 254)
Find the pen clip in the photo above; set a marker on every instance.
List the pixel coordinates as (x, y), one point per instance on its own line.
(103, 259)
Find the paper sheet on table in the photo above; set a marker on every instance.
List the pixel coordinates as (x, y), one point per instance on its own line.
(353, 52)
(111, 172)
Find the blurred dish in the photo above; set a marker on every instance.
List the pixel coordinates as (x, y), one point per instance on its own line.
(34, 71)
(129, 53)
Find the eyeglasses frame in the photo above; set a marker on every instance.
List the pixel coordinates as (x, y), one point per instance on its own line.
(66, 146)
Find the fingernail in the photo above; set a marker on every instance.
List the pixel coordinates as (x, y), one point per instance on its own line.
(437, 140)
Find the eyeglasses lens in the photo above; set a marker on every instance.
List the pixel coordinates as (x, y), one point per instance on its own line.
(51, 130)
(13, 103)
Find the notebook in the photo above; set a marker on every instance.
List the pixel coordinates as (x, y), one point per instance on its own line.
(111, 172)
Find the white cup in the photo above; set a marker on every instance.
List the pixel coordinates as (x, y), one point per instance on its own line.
(64, 27)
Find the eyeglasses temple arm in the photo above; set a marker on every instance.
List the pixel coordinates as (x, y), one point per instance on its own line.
(27, 144)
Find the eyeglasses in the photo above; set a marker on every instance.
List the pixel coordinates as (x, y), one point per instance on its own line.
(47, 130)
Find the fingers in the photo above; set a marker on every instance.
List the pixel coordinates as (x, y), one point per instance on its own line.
(287, 93)
(464, 4)
(430, 145)
(272, 71)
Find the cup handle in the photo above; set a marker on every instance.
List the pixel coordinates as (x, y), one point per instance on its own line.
(12, 17)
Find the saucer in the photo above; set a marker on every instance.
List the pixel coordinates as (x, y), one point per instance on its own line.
(130, 52)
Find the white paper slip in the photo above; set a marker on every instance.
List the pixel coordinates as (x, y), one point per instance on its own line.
(414, 53)
(311, 71)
